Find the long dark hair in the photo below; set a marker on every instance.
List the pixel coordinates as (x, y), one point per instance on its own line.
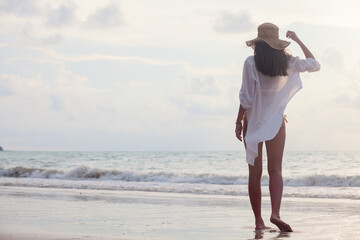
(270, 61)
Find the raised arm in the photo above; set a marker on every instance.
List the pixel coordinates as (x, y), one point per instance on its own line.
(292, 35)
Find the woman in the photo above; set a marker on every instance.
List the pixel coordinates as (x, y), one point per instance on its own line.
(270, 79)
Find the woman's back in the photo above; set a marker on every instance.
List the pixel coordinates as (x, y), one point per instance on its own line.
(265, 98)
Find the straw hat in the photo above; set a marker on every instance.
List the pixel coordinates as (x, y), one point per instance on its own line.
(269, 33)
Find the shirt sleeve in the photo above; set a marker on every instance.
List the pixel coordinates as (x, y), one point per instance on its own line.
(248, 86)
(302, 65)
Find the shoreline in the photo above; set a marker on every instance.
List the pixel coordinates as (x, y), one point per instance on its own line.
(44, 213)
(316, 192)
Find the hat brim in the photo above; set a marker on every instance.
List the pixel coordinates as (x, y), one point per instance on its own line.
(274, 43)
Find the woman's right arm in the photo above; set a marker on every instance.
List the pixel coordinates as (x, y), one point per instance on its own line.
(238, 122)
(292, 35)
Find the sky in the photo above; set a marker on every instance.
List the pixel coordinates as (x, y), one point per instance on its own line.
(165, 75)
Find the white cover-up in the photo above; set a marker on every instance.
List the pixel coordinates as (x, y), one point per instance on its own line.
(265, 99)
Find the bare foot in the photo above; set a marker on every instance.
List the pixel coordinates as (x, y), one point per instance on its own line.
(283, 226)
(260, 225)
(262, 228)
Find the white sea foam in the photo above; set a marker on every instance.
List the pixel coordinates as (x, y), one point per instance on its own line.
(86, 173)
(167, 187)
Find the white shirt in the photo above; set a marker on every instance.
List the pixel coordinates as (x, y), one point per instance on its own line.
(265, 99)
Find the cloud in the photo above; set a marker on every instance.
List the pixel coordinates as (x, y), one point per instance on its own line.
(205, 86)
(56, 103)
(5, 86)
(21, 8)
(229, 22)
(65, 100)
(333, 57)
(202, 96)
(106, 17)
(61, 16)
(233, 69)
(346, 101)
(53, 39)
(134, 83)
(12, 85)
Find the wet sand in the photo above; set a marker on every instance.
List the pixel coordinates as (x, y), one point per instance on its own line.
(45, 213)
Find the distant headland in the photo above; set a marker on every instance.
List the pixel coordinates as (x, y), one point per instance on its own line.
(1, 149)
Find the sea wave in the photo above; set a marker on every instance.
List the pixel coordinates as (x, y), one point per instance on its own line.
(89, 173)
(85, 172)
(181, 188)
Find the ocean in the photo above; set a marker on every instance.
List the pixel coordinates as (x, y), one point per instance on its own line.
(307, 174)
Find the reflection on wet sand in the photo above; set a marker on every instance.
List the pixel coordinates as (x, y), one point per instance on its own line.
(259, 234)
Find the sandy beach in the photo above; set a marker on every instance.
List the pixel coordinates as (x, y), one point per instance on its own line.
(46, 213)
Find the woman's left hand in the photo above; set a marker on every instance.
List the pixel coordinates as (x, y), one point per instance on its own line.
(238, 130)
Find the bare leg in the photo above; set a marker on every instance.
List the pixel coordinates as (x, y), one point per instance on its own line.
(254, 188)
(275, 151)
(254, 184)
